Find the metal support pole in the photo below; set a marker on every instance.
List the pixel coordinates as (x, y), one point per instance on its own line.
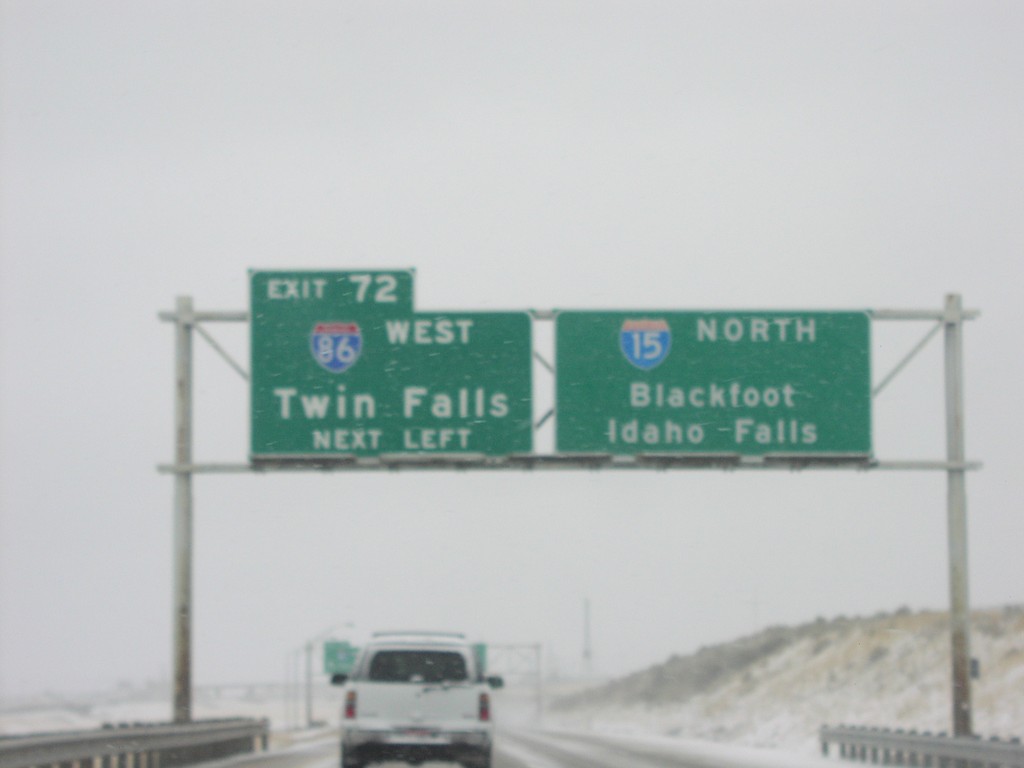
(588, 668)
(182, 619)
(309, 684)
(286, 690)
(540, 685)
(295, 688)
(959, 609)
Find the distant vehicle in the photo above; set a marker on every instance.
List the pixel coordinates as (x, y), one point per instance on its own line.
(414, 697)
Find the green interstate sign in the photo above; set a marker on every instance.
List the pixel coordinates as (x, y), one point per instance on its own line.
(748, 383)
(339, 657)
(342, 364)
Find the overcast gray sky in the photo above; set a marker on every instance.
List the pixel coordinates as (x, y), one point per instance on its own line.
(582, 155)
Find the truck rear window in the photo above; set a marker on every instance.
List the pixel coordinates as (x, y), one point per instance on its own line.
(417, 666)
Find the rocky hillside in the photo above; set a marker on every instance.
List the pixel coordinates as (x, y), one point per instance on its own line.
(775, 688)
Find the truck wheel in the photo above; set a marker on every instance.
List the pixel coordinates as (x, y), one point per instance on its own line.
(350, 762)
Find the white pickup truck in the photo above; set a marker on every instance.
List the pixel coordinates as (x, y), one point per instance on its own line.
(416, 697)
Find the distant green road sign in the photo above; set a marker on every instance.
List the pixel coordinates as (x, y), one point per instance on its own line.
(748, 383)
(480, 651)
(339, 657)
(342, 365)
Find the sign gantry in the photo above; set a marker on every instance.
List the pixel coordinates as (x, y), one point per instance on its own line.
(346, 374)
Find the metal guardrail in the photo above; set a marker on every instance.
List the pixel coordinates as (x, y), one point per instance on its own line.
(135, 746)
(895, 747)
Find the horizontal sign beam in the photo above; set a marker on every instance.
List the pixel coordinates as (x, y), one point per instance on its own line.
(544, 462)
(242, 316)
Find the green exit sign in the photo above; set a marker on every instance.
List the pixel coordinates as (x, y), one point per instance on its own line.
(339, 657)
(748, 383)
(343, 365)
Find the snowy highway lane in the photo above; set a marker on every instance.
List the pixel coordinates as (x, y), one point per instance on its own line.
(554, 749)
(546, 750)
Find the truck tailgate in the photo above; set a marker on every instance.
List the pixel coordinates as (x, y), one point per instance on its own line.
(444, 706)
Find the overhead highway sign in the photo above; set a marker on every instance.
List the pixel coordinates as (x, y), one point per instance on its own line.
(343, 365)
(748, 383)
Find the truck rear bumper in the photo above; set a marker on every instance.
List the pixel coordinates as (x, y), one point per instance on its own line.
(378, 746)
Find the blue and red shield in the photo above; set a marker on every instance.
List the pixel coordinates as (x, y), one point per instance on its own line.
(336, 346)
(645, 343)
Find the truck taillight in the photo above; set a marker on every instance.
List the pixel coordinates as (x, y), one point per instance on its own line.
(485, 707)
(350, 705)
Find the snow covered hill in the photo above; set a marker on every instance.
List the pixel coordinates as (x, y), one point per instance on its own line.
(775, 688)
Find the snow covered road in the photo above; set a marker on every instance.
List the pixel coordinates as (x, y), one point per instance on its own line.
(564, 749)
(559, 749)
